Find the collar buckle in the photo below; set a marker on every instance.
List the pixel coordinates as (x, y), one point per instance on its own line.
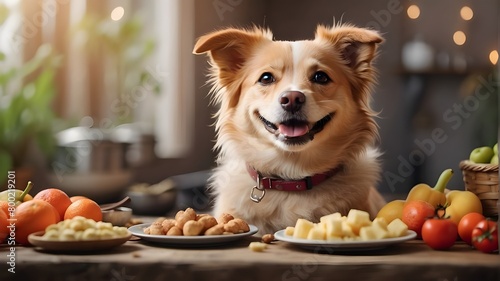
(256, 197)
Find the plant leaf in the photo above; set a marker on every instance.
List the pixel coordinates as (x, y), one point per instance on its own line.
(5, 165)
(4, 13)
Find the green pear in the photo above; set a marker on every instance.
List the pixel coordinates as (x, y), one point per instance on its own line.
(16, 195)
(495, 148)
(494, 159)
(481, 154)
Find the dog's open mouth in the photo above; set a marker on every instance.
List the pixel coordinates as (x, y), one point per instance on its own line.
(295, 131)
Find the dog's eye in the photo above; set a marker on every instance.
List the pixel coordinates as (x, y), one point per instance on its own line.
(321, 78)
(266, 78)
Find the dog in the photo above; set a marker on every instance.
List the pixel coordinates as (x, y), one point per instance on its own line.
(295, 133)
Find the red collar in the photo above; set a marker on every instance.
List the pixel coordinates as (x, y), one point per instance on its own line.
(304, 184)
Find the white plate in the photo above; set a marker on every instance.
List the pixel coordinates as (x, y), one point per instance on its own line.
(321, 245)
(204, 240)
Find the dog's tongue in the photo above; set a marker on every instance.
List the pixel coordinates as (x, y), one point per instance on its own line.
(293, 131)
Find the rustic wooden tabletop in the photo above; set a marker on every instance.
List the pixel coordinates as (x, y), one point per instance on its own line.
(140, 260)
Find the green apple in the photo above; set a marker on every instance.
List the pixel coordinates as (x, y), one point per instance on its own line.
(481, 154)
(494, 159)
(495, 148)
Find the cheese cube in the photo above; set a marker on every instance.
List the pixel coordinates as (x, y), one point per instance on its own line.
(334, 227)
(316, 233)
(397, 228)
(321, 225)
(289, 230)
(367, 233)
(302, 228)
(380, 226)
(257, 246)
(357, 219)
(380, 222)
(327, 218)
(376, 231)
(347, 230)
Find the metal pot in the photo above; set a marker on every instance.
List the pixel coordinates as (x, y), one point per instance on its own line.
(96, 162)
(89, 150)
(94, 150)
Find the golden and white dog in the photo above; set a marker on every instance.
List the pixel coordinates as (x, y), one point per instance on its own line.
(296, 117)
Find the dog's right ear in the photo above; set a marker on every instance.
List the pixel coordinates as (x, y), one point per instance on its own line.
(229, 48)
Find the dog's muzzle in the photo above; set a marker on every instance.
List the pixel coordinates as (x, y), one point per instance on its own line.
(295, 130)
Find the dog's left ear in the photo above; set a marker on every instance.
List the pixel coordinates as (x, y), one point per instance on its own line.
(357, 46)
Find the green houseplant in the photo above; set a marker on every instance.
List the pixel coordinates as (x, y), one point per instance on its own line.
(26, 117)
(26, 94)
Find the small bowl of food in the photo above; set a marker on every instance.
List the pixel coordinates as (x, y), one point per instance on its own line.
(119, 216)
(153, 200)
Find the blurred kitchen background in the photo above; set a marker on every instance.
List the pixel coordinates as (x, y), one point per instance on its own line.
(100, 95)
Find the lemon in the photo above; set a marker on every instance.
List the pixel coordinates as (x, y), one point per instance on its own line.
(391, 210)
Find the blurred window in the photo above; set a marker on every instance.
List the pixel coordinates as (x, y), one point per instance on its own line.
(123, 61)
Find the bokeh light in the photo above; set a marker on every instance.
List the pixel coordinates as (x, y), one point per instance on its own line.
(117, 13)
(494, 57)
(459, 37)
(466, 13)
(413, 12)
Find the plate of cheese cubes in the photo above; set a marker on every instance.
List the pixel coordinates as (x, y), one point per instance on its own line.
(354, 232)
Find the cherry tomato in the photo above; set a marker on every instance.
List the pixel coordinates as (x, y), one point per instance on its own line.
(415, 213)
(467, 224)
(439, 233)
(485, 236)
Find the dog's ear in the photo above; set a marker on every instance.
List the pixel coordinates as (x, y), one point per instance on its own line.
(229, 48)
(357, 46)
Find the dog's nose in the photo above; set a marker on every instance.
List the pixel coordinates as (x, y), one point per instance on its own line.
(292, 101)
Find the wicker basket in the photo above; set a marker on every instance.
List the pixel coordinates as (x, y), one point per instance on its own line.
(482, 180)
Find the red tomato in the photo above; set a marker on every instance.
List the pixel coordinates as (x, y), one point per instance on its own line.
(415, 213)
(467, 224)
(485, 236)
(439, 233)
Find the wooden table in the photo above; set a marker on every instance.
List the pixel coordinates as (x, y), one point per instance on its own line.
(138, 260)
